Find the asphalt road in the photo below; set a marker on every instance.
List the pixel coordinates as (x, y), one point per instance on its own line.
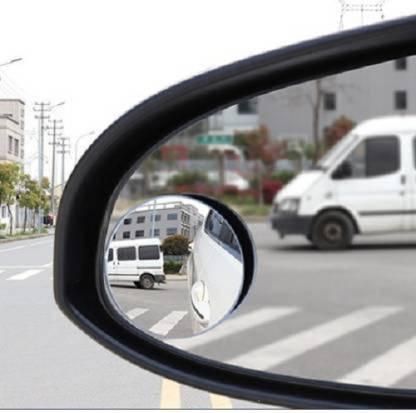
(346, 316)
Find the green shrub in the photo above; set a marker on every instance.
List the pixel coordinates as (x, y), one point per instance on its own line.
(172, 267)
(188, 178)
(175, 245)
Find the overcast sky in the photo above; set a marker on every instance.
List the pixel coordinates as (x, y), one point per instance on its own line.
(103, 57)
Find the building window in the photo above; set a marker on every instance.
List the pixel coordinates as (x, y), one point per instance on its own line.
(400, 100)
(172, 217)
(140, 233)
(247, 107)
(155, 217)
(10, 150)
(127, 221)
(126, 234)
(140, 219)
(401, 64)
(330, 101)
(156, 232)
(16, 147)
(171, 231)
(4, 211)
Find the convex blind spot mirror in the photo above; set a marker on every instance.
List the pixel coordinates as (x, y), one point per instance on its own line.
(173, 262)
(328, 321)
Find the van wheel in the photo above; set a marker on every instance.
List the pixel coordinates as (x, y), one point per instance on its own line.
(147, 282)
(332, 231)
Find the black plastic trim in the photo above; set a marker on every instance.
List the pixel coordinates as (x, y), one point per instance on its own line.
(94, 184)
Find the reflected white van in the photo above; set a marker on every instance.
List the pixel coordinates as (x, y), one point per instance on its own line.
(138, 260)
(366, 184)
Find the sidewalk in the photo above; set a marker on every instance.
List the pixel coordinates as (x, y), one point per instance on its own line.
(176, 277)
(22, 237)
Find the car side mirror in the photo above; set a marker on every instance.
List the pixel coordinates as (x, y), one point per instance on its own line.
(343, 170)
(249, 354)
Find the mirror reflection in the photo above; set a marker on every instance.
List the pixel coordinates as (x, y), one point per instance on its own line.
(324, 175)
(176, 259)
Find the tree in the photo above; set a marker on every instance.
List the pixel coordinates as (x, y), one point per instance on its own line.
(339, 128)
(257, 146)
(175, 245)
(28, 196)
(9, 179)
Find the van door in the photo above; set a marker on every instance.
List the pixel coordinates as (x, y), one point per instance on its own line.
(150, 259)
(111, 267)
(373, 184)
(126, 261)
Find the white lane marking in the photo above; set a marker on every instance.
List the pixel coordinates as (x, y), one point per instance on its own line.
(47, 265)
(24, 275)
(166, 324)
(135, 312)
(234, 326)
(273, 354)
(12, 249)
(388, 368)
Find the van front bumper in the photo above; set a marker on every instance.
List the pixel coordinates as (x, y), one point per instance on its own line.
(160, 278)
(291, 224)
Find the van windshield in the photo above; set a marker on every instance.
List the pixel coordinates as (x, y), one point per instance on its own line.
(336, 151)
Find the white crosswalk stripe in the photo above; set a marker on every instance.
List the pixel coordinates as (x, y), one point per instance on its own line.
(136, 312)
(24, 275)
(166, 324)
(386, 369)
(265, 357)
(234, 326)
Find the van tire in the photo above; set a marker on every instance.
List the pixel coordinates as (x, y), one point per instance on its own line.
(332, 230)
(147, 282)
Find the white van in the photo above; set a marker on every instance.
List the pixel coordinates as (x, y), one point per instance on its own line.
(366, 184)
(138, 260)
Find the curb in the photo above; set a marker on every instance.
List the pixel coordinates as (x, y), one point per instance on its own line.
(21, 238)
(175, 277)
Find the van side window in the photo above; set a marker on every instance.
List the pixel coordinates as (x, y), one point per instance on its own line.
(149, 252)
(110, 255)
(126, 254)
(374, 156)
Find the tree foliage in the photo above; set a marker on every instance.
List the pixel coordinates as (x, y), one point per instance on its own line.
(175, 245)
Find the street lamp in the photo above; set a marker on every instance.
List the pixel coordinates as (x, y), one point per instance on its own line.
(77, 141)
(18, 59)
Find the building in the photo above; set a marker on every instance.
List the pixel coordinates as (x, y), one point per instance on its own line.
(12, 125)
(161, 220)
(373, 91)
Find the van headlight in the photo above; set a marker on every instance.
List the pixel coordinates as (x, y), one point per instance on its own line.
(289, 205)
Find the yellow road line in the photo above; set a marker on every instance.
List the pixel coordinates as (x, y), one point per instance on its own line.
(220, 402)
(170, 397)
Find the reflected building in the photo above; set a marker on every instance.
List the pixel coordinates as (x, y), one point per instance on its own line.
(160, 221)
(379, 90)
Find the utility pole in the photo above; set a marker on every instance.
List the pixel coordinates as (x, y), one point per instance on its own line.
(55, 127)
(43, 109)
(362, 7)
(63, 143)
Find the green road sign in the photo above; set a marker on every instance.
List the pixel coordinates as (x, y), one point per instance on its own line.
(215, 139)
